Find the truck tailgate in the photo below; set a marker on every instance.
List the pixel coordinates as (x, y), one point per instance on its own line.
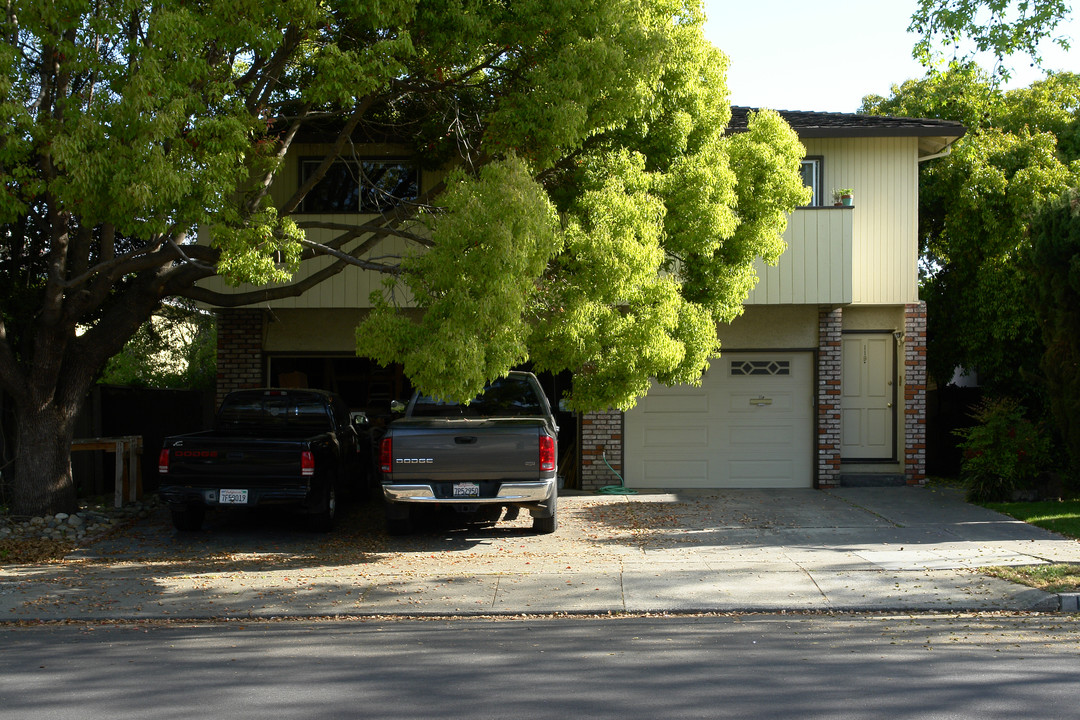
(448, 450)
(236, 460)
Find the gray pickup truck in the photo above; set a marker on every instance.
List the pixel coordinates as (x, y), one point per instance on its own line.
(500, 450)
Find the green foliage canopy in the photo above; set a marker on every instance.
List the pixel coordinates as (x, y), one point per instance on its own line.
(176, 348)
(595, 217)
(604, 242)
(999, 27)
(975, 209)
(1054, 258)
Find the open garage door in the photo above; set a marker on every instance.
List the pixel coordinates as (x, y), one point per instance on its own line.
(749, 425)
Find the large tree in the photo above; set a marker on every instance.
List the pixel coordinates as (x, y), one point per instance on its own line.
(960, 29)
(975, 208)
(594, 216)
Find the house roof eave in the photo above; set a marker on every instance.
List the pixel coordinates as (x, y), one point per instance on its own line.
(934, 134)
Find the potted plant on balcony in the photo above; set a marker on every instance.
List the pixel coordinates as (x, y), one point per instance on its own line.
(844, 196)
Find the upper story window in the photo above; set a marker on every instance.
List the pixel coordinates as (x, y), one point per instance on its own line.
(365, 186)
(811, 175)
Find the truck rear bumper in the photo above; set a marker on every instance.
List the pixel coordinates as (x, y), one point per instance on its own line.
(210, 497)
(535, 491)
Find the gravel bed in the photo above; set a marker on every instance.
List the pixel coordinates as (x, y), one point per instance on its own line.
(89, 523)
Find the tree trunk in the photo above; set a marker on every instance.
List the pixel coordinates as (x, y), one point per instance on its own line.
(42, 482)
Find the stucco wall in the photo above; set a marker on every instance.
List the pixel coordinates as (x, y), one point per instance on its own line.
(763, 327)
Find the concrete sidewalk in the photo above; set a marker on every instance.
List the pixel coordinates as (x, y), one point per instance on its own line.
(879, 549)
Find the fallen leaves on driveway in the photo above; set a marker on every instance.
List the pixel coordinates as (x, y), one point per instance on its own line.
(33, 550)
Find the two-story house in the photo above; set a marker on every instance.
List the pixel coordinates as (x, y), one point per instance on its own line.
(821, 381)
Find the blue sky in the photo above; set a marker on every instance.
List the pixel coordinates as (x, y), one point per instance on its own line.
(826, 56)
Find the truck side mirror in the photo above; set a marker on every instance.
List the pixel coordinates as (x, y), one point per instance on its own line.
(397, 407)
(359, 419)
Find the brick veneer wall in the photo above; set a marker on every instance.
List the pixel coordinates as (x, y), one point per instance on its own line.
(601, 436)
(829, 396)
(915, 393)
(239, 350)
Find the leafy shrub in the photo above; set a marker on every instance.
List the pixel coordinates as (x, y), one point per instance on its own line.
(1003, 453)
(1054, 266)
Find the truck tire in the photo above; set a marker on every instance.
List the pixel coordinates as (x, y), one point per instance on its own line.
(547, 524)
(398, 518)
(188, 518)
(322, 520)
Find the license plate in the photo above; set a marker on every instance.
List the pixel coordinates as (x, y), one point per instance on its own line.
(466, 490)
(232, 497)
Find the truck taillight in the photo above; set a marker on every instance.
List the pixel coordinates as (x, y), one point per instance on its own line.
(547, 453)
(307, 463)
(163, 462)
(386, 453)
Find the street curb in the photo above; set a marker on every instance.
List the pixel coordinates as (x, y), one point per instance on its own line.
(423, 615)
(1069, 602)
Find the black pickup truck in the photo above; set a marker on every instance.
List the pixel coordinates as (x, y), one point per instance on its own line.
(268, 446)
(498, 450)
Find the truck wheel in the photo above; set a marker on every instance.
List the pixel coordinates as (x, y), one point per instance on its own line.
(547, 525)
(326, 513)
(398, 519)
(188, 518)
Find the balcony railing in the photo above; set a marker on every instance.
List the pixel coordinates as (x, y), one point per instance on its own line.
(817, 266)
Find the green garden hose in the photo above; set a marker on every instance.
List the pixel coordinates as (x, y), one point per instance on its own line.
(619, 489)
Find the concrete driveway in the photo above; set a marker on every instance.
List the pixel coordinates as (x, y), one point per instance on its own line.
(878, 549)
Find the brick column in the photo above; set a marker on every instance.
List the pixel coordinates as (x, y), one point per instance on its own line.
(915, 393)
(239, 350)
(601, 436)
(828, 397)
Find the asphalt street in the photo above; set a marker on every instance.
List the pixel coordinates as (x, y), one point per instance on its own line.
(877, 666)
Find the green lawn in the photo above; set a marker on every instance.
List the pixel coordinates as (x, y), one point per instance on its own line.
(1051, 578)
(1060, 517)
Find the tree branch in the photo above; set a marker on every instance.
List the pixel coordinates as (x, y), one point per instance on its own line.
(262, 295)
(261, 91)
(286, 143)
(488, 63)
(354, 231)
(285, 291)
(350, 259)
(116, 266)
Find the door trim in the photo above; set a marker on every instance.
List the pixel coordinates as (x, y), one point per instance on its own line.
(892, 370)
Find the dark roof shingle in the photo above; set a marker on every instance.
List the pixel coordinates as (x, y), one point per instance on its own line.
(935, 136)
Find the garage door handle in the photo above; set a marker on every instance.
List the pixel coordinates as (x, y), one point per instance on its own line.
(761, 401)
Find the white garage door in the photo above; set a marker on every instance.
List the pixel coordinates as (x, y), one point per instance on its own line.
(749, 425)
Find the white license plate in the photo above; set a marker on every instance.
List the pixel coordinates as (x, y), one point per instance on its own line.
(466, 490)
(232, 497)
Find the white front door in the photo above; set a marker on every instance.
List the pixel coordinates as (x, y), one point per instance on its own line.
(749, 425)
(868, 413)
